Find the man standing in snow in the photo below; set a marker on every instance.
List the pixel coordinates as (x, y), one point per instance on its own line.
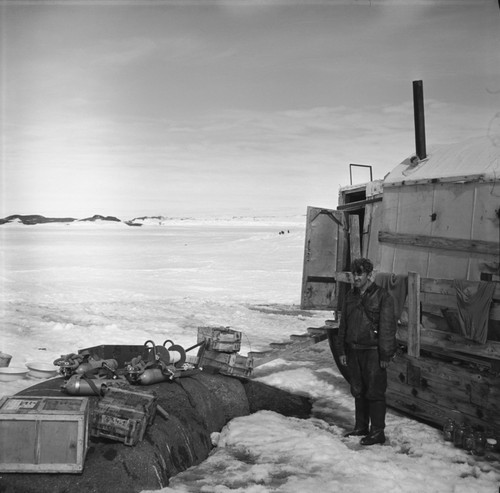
(366, 344)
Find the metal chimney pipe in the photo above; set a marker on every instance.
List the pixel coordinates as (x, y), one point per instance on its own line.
(418, 113)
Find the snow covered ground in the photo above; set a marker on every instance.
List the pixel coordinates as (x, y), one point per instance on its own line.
(67, 287)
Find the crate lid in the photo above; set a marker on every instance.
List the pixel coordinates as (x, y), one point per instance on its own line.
(25, 405)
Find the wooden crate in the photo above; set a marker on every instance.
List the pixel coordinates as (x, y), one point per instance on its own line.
(43, 434)
(220, 339)
(123, 415)
(228, 364)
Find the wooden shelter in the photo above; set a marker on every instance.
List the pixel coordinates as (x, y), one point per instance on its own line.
(432, 222)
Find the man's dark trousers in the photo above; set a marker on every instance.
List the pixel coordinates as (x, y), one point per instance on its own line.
(368, 387)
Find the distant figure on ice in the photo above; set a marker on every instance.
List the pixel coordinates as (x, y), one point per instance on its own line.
(366, 345)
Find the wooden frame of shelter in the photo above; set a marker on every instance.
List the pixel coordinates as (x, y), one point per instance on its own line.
(436, 221)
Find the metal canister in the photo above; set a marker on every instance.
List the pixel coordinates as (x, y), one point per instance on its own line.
(479, 443)
(468, 439)
(491, 444)
(448, 430)
(458, 435)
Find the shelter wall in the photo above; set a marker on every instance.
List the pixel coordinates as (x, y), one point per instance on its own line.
(448, 211)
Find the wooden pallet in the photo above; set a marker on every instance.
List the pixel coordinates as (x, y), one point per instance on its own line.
(296, 343)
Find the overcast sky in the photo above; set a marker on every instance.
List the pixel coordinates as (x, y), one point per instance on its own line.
(133, 108)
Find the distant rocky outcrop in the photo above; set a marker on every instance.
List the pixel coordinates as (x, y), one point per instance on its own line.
(38, 219)
(147, 220)
(97, 217)
(35, 219)
(144, 218)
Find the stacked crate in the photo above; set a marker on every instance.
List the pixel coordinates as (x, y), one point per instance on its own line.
(220, 352)
(123, 415)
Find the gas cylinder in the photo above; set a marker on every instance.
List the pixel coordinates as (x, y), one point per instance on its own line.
(479, 443)
(458, 435)
(468, 439)
(448, 430)
(76, 385)
(153, 375)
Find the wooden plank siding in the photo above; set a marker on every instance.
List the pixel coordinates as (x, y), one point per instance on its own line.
(452, 343)
(441, 293)
(435, 242)
(354, 237)
(437, 413)
(446, 287)
(440, 389)
(449, 386)
(413, 314)
(433, 295)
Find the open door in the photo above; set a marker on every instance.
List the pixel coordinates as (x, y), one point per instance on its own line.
(325, 250)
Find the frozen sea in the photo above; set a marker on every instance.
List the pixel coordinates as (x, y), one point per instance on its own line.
(70, 286)
(67, 284)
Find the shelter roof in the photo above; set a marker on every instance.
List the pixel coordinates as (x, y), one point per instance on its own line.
(470, 160)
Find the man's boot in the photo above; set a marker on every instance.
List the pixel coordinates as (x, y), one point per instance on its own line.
(377, 418)
(373, 438)
(362, 418)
